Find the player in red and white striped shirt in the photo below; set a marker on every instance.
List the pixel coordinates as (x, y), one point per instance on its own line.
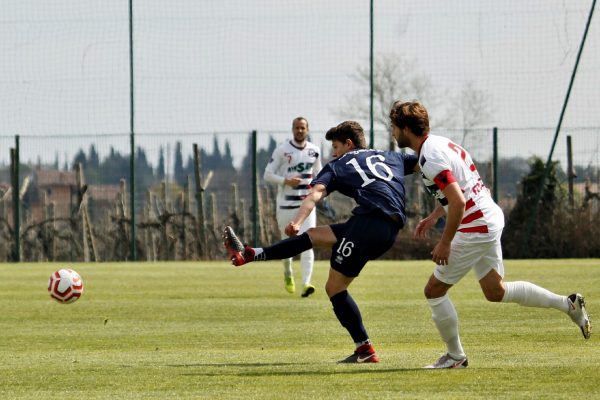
(471, 236)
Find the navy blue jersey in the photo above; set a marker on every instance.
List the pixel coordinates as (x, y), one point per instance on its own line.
(373, 178)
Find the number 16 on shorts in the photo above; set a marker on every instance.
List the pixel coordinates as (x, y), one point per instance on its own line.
(344, 250)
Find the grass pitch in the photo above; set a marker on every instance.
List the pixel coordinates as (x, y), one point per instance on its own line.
(208, 330)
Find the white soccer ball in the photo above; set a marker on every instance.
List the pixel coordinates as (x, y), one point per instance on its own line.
(65, 285)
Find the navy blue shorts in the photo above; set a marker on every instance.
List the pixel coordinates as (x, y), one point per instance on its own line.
(360, 239)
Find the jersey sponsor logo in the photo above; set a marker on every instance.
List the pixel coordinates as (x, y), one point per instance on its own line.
(300, 167)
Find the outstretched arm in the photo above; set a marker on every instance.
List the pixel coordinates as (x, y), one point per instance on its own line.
(428, 222)
(317, 193)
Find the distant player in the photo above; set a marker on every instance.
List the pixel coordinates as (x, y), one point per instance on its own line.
(375, 180)
(471, 236)
(292, 167)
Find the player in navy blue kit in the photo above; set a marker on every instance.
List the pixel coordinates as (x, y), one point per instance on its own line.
(375, 180)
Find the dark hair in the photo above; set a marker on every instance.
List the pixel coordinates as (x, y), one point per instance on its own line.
(411, 115)
(348, 130)
(300, 119)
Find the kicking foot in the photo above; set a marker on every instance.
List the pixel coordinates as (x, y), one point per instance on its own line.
(239, 254)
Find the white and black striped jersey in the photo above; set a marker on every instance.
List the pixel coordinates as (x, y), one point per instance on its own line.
(288, 161)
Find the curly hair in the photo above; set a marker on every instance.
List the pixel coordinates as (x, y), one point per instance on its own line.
(412, 115)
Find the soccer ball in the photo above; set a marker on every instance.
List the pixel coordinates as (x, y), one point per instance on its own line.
(65, 285)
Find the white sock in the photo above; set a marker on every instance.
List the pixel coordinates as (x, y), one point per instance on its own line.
(257, 254)
(307, 259)
(529, 295)
(446, 320)
(287, 267)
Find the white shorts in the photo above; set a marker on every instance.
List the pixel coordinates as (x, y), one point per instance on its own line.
(481, 252)
(284, 217)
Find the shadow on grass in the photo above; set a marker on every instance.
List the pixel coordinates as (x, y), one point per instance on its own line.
(339, 369)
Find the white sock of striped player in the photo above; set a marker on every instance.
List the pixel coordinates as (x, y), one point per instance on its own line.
(307, 259)
(287, 267)
(444, 315)
(529, 295)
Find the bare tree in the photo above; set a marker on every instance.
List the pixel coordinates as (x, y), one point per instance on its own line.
(399, 78)
(395, 78)
(470, 109)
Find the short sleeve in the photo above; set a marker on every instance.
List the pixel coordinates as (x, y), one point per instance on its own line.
(325, 177)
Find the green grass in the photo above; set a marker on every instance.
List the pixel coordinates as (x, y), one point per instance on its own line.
(208, 330)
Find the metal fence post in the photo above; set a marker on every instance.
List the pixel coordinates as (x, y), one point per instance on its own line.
(15, 172)
(255, 218)
(495, 166)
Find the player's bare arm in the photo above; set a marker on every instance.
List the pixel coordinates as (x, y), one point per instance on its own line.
(456, 210)
(317, 193)
(293, 181)
(272, 177)
(428, 222)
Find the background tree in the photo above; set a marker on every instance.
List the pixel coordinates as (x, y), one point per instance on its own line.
(178, 171)
(160, 169)
(114, 168)
(80, 157)
(471, 108)
(517, 227)
(93, 157)
(397, 77)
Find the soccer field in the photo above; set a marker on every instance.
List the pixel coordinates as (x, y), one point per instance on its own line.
(209, 330)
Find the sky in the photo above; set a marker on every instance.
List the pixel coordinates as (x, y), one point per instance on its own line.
(234, 66)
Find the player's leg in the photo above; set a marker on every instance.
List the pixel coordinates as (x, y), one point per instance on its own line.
(360, 239)
(443, 312)
(525, 293)
(307, 258)
(445, 319)
(320, 236)
(288, 275)
(284, 216)
(347, 312)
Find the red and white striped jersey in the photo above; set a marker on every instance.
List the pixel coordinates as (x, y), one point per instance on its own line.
(444, 162)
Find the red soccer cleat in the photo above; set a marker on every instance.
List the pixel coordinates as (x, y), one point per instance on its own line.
(363, 354)
(239, 254)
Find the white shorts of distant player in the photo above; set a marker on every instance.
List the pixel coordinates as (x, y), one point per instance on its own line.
(481, 252)
(284, 216)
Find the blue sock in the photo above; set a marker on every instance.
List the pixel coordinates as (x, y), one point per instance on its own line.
(348, 314)
(288, 248)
